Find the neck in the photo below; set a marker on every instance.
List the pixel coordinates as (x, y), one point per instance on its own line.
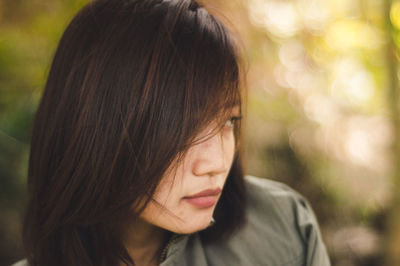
(144, 242)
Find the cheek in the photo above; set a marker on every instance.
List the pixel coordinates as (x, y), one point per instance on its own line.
(163, 210)
(229, 145)
(169, 191)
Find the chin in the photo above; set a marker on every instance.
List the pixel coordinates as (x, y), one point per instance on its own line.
(194, 225)
(194, 229)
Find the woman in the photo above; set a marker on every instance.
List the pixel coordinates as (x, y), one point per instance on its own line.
(136, 150)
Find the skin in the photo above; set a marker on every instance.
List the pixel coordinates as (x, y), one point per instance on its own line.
(205, 166)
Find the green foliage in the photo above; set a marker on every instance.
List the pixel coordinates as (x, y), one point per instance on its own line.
(29, 32)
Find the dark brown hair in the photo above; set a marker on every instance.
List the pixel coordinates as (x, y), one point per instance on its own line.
(130, 86)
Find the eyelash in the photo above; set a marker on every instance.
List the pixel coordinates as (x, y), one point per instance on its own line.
(232, 121)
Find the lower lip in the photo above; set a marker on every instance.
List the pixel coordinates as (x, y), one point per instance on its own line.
(202, 202)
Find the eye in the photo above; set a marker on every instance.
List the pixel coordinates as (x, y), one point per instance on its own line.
(232, 121)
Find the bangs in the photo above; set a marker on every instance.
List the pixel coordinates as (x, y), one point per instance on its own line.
(211, 86)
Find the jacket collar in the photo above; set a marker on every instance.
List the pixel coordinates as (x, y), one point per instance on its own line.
(174, 247)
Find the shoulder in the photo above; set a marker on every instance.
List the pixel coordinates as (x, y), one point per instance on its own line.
(281, 229)
(23, 262)
(286, 218)
(273, 196)
(277, 205)
(266, 187)
(275, 212)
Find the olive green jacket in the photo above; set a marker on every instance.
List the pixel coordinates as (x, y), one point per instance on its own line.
(281, 231)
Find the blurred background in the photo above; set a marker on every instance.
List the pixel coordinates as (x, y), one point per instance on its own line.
(323, 110)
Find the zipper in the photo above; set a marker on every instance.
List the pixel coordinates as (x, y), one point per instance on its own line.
(173, 239)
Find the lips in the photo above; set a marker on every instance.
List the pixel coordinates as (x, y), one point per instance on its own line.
(204, 199)
(206, 193)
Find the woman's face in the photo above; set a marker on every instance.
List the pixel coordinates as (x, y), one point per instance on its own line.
(185, 199)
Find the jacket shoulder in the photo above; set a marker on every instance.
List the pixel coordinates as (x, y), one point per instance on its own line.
(286, 222)
(273, 196)
(270, 187)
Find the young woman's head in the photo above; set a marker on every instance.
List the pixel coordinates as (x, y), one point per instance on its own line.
(138, 116)
(186, 196)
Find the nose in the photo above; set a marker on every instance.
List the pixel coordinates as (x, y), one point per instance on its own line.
(212, 156)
